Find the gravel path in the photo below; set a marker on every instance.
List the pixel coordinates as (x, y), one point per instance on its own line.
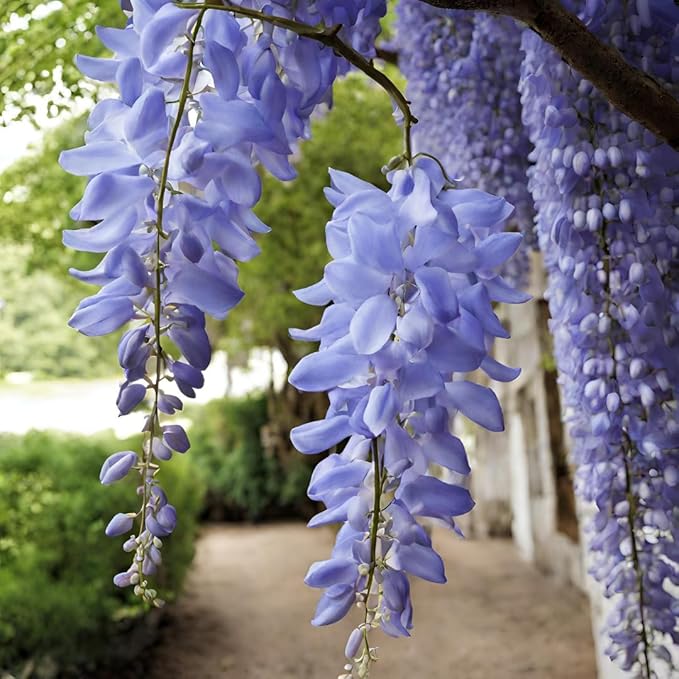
(245, 615)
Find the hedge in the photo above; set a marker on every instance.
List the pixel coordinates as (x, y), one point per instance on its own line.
(243, 481)
(57, 601)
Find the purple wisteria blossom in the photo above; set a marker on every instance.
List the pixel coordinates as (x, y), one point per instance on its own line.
(411, 289)
(204, 97)
(463, 72)
(606, 193)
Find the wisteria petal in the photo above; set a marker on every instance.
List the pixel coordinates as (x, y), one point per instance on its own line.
(381, 408)
(373, 323)
(207, 291)
(497, 248)
(315, 437)
(321, 371)
(429, 496)
(331, 572)
(108, 193)
(117, 466)
(422, 561)
(103, 236)
(102, 316)
(476, 402)
(438, 296)
(97, 157)
(318, 294)
(330, 609)
(352, 282)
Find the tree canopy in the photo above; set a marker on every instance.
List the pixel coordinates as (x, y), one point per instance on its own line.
(38, 45)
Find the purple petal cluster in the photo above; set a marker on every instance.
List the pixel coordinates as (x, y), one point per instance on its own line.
(410, 294)
(463, 71)
(204, 97)
(606, 193)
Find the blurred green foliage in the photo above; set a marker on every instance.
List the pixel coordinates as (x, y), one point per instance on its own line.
(243, 482)
(38, 44)
(57, 598)
(34, 336)
(36, 196)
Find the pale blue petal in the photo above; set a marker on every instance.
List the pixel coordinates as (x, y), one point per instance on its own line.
(419, 380)
(381, 409)
(331, 572)
(438, 296)
(373, 323)
(497, 248)
(353, 282)
(325, 370)
(318, 294)
(476, 402)
(446, 450)
(315, 437)
(227, 123)
(421, 561)
(449, 352)
(223, 66)
(106, 194)
(101, 316)
(477, 208)
(500, 291)
(96, 68)
(211, 293)
(347, 475)
(97, 157)
(166, 25)
(375, 243)
(475, 299)
(103, 236)
(429, 496)
(330, 609)
(334, 324)
(416, 327)
(498, 371)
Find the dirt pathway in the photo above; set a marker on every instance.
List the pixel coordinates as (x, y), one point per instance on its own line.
(245, 615)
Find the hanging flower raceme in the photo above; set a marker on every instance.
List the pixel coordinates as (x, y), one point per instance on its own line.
(411, 311)
(204, 96)
(605, 192)
(463, 71)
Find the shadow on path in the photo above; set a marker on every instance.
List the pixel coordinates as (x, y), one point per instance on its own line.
(245, 615)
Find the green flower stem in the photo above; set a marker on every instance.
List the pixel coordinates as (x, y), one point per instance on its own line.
(154, 421)
(374, 527)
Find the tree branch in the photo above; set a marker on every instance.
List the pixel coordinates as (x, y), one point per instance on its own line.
(629, 89)
(388, 55)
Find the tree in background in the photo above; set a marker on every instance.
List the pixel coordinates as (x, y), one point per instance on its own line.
(38, 45)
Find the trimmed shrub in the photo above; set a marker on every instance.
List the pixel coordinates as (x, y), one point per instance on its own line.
(243, 481)
(57, 598)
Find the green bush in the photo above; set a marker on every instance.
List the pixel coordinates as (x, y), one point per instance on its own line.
(244, 482)
(57, 599)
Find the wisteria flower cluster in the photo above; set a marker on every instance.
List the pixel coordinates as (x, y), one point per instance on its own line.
(463, 72)
(204, 96)
(605, 192)
(410, 293)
